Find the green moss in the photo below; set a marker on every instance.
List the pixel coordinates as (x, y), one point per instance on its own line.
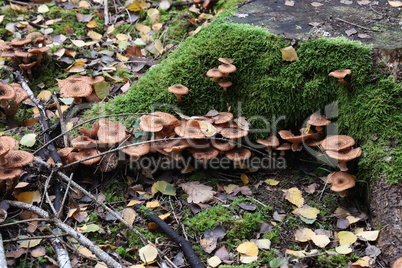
(210, 217)
(244, 227)
(282, 93)
(335, 261)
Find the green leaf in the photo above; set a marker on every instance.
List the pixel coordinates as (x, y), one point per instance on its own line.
(28, 140)
(277, 262)
(102, 89)
(164, 188)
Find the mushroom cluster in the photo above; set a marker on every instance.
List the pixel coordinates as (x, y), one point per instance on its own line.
(26, 52)
(221, 74)
(11, 96)
(79, 87)
(11, 163)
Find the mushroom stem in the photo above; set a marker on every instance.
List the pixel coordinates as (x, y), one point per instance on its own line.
(343, 82)
(342, 166)
(269, 150)
(178, 96)
(319, 129)
(77, 100)
(296, 147)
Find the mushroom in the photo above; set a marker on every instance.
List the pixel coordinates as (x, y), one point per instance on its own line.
(90, 132)
(136, 151)
(27, 68)
(204, 154)
(19, 42)
(226, 69)
(222, 117)
(156, 121)
(340, 74)
(318, 121)
(226, 60)
(111, 132)
(337, 143)
(175, 148)
(6, 94)
(189, 129)
(215, 74)
(295, 140)
(64, 153)
(75, 89)
(85, 153)
(178, 91)
(35, 37)
(341, 181)
(8, 180)
(38, 51)
(271, 143)
(225, 84)
(233, 132)
(283, 148)
(18, 158)
(109, 162)
(238, 155)
(223, 145)
(83, 142)
(397, 263)
(344, 156)
(6, 144)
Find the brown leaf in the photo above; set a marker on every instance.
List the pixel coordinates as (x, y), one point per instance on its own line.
(208, 244)
(133, 51)
(197, 193)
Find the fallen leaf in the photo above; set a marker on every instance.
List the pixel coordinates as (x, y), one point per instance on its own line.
(128, 214)
(345, 249)
(164, 4)
(76, 67)
(289, 54)
(91, 24)
(134, 202)
(294, 196)
(197, 193)
(311, 188)
(44, 95)
(153, 204)
(154, 15)
(395, 3)
(364, 2)
(363, 262)
(86, 252)
(263, 243)
(249, 207)
(214, 261)
(289, 3)
(94, 35)
(272, 182)
(346, 238)
(208, 244)
(347, 2)
(244, 178)
(138, 5)
(91, 228)
(28, 140)
(368, 235)
(28, 197)
(229, 188)
(102, 89)
(249, 249)
(148, 253)
(38, 252)
(28, 243)
(164, 216)
(307, 212)
(316, 4)
(304, 234)
(43, 9)
(207, 128)
(247, 259)
(320, 240)
(164, 188)
(351, 32)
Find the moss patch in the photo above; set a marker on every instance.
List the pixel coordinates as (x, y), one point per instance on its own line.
(275, 94)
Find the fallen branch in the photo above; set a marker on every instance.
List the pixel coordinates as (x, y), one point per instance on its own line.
(3, 260)
(185, 245)
(357, 25)
(102, 255)
(62, 255)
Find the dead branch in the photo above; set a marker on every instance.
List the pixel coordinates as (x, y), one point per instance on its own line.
(3, 261)
(21, 221)
(29, 238)
(102, 255)
(62, 255)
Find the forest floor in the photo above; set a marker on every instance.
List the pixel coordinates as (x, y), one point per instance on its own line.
(236, 217)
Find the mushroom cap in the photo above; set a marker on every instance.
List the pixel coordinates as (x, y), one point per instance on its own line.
(35, 37)
(227, 68)
(90, 132)
(6, 144)
(313, 142)
(38, 50)
(222, 117)
(64, 152)
(10, 173)
(137, 150)
(20, 41)
(178, 89)
(341, 181)
(318, 120)
(18, 158)
(27, 66)
(233, 133)
(237, 155)
(6, 92)
(156, 121)
(288, 135)
(214, 73)
(75, 89)
(85, 153)
(345, 155)
(189, 129)
(223, 145)
(94, 79)
(4, 45)
(207, 153)
(337, 142)
(397, 263)
(225, 83)
(271, 141)
(22, 54)
(226, 60)
(20, 93)
(83, 142)
(284, 147)
(7, 54)
(199, 143)
(111, 133)
(340, 73)
(175, 145)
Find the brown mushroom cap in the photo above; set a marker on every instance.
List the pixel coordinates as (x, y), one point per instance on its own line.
(222, 117)
(6, 144)
(208, 153)
(214, 73)
(226, 60)
(18, 158)
(20, 93)
(233, 133)
(271, 141)
(156, 121)
(344, 156)
(397, 263)
(64, 152)
(337, 142)
(178, 89)
(27, 66)
(75, 89)
(90, 132)
(85, 153)
(7, 54)
(6, 92)
(295, 140)
(237, 155)
(225, 84)
(284, 147)
(341, 181)
(189, 129)
(223, 145)
(227, 68)
(35, 37)
(111, 133)
(20, 41)
(10, 173)
(83, 142)
(5, 45)
(318, 120)
(137, 150)
(340, 74)
(22, 54)
(175, 145)
(94, 79)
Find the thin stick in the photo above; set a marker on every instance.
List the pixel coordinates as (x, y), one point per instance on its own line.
(22, 221)
(357, 25)
(33, 237)
(106, 12)
(102, 255)
(61, 118)
(3, 261)
(62, 255)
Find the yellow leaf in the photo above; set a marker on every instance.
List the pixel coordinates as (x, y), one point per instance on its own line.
(63, 108)
(294, 196)
(157, 26)
(345, 249)
(44, 95)
(78, 43)
(28, 197)
(244, 178)
(307, 212)
(133, 202)
(363, 262)
(128, 214)
(143, 29)
(249, 249)
(395, 3)
(207, 128)
(289, 54)
(320, 240)
(108, 246)
(94, 35)
(368, 235)
(121, 57)
(229, 188)
(248, 259)
(214, 261)
(272, 182)
(43, 9)
(28, 243)
(35, 110)
(148, 253)
(304, 234)
(102, 89)
(352, 219)
(164, 216)
(154, 15)
(84, 4)
(91, 24)
(138, 5)
(86, 252)
(69, 125)
(153, 204)
(346, 238)
(76, 67)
